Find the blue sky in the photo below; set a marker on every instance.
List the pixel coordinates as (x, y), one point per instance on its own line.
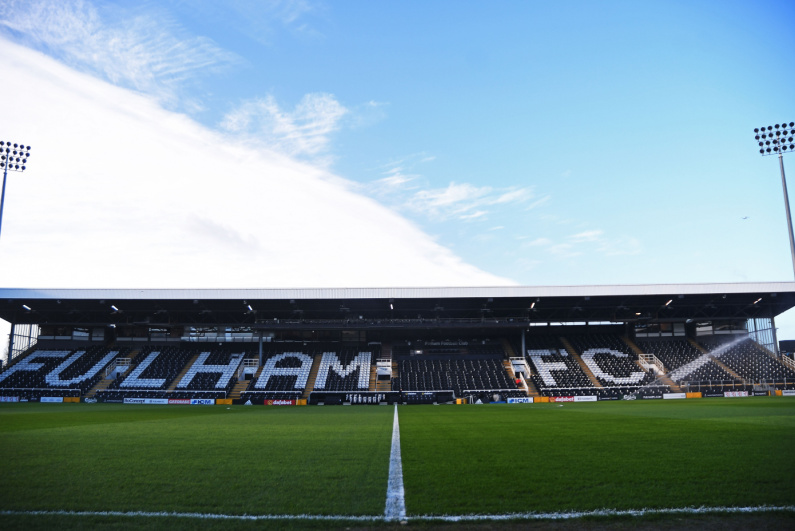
(484, 143)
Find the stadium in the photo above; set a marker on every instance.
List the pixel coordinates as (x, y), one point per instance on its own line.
(149, 378)
(299, 264)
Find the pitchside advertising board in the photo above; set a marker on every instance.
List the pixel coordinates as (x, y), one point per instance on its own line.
(674, 396)
(9, 399)
(263, 402)
(788, 392)
(573, 399)
(179, 401)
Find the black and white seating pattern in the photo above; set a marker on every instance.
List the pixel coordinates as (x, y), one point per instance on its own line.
(70, 372)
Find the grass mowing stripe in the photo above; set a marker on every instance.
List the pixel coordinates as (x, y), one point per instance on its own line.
(395, 496)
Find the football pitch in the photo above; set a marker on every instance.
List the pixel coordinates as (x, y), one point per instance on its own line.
(96, 464)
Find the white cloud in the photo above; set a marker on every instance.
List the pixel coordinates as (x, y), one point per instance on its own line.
(395, 179)
(473, 215)
(304, 131)
(587, 236)
(538, 202)
(260, 20)
(122, 193)
(463, 201)
(138, 50)
(512, 196)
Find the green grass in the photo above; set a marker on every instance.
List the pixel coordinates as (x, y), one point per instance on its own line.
(208, 459)
(575, 457)
(491, 459)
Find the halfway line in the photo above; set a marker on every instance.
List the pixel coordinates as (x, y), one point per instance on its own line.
(395, 496)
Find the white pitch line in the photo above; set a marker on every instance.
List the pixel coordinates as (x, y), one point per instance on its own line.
(438, 518)
(395, 495)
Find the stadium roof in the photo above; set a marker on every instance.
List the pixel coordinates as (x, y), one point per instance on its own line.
(503, 306)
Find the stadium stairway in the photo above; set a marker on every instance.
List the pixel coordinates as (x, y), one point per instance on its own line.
(105, 382)
(663, 379)
(183, 372)
(573, 353)
(101, 385)
(240, 387)
(717, 362)
(373, 378)
(384, 386)
(506, 346)
(696, 346)
(726, 368)
(509, 369)
(310, 381)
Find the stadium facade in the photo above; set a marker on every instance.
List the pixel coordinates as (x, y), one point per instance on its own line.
(374, 345)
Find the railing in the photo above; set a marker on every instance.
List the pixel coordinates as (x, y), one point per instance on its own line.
(117, 363)
(522, 362)
(247, 364)
(650, 360)
(162, 393)
(788, 362)
(695, 386)
(524, 383)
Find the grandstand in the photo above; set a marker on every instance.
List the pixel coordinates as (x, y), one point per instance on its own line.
(382, 346)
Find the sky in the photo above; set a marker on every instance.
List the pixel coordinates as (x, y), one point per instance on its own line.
(256, 144)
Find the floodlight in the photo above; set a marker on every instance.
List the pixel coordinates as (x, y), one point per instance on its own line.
(777, 144)
(14, 159)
